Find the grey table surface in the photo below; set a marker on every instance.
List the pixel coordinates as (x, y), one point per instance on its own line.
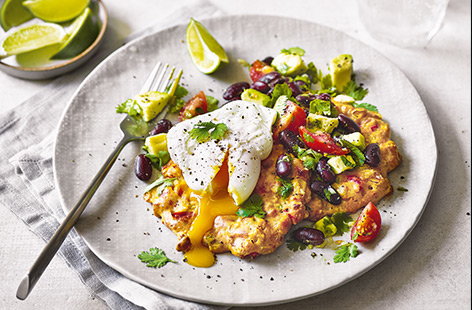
(431, 269)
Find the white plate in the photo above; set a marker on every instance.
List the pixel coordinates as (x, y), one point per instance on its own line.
(117, 225)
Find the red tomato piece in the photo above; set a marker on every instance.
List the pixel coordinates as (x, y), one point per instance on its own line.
(292, 118)
(321, 142)
(258, 69)
(367, 225)
(195, 106)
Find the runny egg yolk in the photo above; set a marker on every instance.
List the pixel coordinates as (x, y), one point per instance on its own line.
(211, 205)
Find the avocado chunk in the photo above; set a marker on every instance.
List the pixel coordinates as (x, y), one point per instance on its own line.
(252, 95)
(355, 138)
(315, 122)
(340, 164)
(281, 104)
(156, 144)
(289, 64)
(152, 103)
(340, 69)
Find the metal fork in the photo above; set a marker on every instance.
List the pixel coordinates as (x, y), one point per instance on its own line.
(133, 130)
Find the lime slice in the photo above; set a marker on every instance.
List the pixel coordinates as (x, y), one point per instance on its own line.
(13, 14)
(32, 37)
(206, 52)
(56, 11)
(82, 33)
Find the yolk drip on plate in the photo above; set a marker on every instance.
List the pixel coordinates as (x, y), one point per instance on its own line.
(211, 205)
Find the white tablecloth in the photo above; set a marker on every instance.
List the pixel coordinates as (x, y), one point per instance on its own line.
(431, 269)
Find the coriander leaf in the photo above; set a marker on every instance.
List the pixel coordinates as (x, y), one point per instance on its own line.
(285, 189)
(155, 258)
(341, 220)
(325, 80)
(366, 106)
(323, 107)
(130, 107)
(345, 252)
(294, 245)
(280, 90)
(253, 206)
(180, 91)
(293, 50)
(160, 184)
(304, 78)
(212, 103)
(160, 159)
(355, 91)
(356, 153)
(402, 189)
(204, 131)
(309, 157)
(313, 72)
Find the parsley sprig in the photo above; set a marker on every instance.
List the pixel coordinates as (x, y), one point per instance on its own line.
(294, 245)
(366, 106)
(161, 183)
(345, 252)
(204, 131)
(155, 258)
(356, 153)
(130, 107)
(253, 206)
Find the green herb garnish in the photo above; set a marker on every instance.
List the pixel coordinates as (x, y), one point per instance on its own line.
(176, 104)
(294, 245)
(212, 103)
(345, 252)
(130, 107)
(356, 153)
(204, 131)
(357, 92)
(309, 157)
(280, 90)
(253, 206)
(293, 50)
(402, 189)
(322, 107)
(366, 106)
(161, 183)
(285, 189)
(155, 258)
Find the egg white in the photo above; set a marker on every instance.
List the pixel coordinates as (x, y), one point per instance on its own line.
(247, 142)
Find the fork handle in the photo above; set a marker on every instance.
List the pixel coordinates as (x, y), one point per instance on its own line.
(48, 252)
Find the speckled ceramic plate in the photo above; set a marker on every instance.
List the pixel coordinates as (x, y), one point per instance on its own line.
(118, 224)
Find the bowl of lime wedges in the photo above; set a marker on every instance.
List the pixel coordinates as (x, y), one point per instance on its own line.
(42, 39)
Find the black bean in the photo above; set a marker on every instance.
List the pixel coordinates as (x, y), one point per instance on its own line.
(305, 99)
(324, 96)
(269, 77)
(318, 187)
(289, 139)
(325, 172)
(308, 235)
(295, 89)
(268, 60)
(347, 125)
(234, 91)
(162, 126)
(260, 86)
(143, 167)
(283, 166)
(372, 154)
(334, 198)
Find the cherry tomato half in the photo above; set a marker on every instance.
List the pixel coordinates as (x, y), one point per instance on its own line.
(367, 225)
(292, 118)
(195, 106)
(258, 69)
(321, 142)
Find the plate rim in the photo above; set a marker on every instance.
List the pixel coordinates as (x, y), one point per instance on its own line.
(386, 254)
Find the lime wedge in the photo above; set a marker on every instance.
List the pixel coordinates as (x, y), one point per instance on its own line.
(82, 33)
(39, 57)
(32, 37)
(12, 14)
(206, 52)
(56, 11)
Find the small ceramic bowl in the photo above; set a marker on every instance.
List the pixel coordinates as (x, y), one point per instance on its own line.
(57, 67)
